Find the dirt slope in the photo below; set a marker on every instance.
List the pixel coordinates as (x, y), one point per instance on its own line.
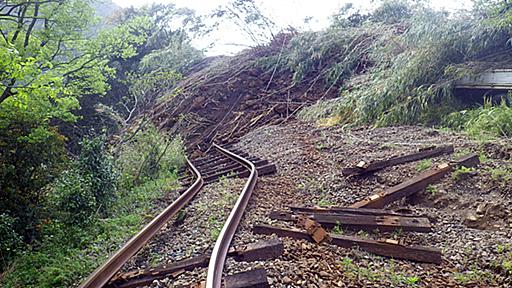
(229, 96)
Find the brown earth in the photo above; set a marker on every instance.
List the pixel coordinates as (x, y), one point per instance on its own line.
(227, 97)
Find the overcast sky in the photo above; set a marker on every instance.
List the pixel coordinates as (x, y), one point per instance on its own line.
(284, 12)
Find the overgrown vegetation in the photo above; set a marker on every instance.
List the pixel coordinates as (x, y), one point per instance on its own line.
(82, 220)
(374, 273)
(485, 122)
(399, 62)
(71, 190)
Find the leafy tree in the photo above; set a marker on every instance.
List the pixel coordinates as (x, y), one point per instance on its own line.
(10, 240)
(161, 60)
(48, 59)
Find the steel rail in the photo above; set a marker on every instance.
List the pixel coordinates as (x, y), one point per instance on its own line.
(105, 272)
(220, 250)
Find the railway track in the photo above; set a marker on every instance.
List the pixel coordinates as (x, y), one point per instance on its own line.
(218, 162)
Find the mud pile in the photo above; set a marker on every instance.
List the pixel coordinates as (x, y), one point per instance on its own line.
(226, 97)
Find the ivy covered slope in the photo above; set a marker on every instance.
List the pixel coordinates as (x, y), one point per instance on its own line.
(79, 162)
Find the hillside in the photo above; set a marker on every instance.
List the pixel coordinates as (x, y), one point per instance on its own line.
(389, 69)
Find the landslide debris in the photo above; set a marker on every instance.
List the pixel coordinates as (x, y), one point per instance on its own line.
(226, 97)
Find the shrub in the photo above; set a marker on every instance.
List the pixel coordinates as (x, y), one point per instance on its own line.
(87, 187)
(149, 155)
(10, 240)
(97, 168)
(485, 122)
(73, 200)
(30, 158)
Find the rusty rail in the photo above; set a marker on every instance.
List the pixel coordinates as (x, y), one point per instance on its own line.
(218, 257)
(105, 272)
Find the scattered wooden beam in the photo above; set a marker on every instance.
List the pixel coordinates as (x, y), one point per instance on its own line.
(414, 184)
(256, 278)
(357, 211)
(261, 250)
(388, 248)
(383, 223)
(363, 168)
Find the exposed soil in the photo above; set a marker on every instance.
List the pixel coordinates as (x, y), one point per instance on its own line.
(230, 96)
(470, 214)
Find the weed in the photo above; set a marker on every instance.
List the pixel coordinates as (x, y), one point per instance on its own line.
(424, 165)
(431, 189)
(320, 146)
(397, 233)
(507, 266)
(461, 153)
(215, 226)
(500, 249)
(413, 280)
(375, 274)
(471, 277)
(501, 174)
(363, 234)
(337, 230)
(483, 157)
(214, 233)
(461, 172)
(484, 123)
(325, 203)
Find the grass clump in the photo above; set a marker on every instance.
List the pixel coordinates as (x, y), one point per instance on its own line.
(484, 123)
(462, 172)
(431, 190)
(424, 165)
(377, 274)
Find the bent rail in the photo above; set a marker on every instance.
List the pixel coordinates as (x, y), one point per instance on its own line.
(216, 264)
(105, 272)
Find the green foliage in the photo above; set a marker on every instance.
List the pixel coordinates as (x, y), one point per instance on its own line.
(393, 11)
(88, 187)
(483, 123)
(473, 276)
(46, 67)
(161, 58)
(401, 61)
(461, 172)
(97, 167)
(215, 227)
(431, 190)
(10, 240)
(73, 202)
(376, 274)
(148, 156)
(68, 254)
(324, 202)
(337, 230)
(27, 165)
(502, 174)
(424, 165)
